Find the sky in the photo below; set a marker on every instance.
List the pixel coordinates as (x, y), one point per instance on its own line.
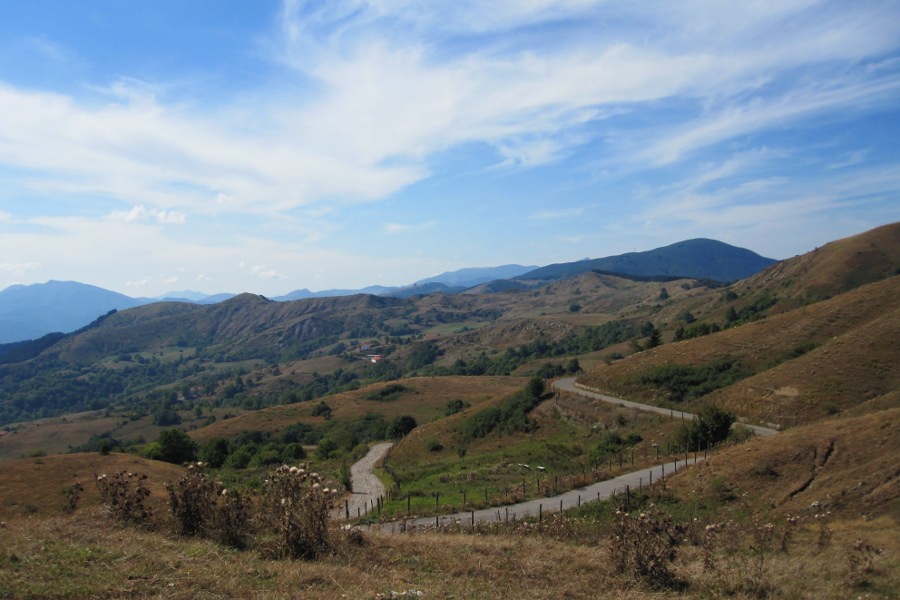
(231, 146)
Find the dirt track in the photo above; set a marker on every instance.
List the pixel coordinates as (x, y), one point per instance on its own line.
(367, 488)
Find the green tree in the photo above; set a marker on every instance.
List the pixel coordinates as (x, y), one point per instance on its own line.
(731, 315)
(655, 338)
(173, 446)
(535, 387)
(215, 452)
(401, 426)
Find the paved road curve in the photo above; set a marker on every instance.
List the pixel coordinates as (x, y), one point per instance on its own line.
(567, 384)
(596, 491)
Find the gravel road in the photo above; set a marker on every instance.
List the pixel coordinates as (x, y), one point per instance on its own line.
(367, 488)
(567, 384)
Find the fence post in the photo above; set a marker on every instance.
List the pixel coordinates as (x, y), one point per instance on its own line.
(347, 509)
(540, 513)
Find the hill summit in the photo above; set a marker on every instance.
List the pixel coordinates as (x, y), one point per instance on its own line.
(698, 258)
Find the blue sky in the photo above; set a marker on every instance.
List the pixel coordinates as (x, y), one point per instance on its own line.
(270, 146)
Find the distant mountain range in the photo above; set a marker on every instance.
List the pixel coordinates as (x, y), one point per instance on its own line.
(30, 312)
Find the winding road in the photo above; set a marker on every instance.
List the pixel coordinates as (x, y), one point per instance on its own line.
(370, 488)
(567, 384)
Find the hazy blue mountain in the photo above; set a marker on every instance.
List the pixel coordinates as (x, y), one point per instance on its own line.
(375, 290)
(471, 277)
(451, 282)
(433, 287)
(699, 258)
(216, 298)
(28, 312)
(184, 295)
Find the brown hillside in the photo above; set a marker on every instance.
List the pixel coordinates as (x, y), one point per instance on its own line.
(855, 358)
(834, 268)
(36, 485)
(427, 398)
(850, 467)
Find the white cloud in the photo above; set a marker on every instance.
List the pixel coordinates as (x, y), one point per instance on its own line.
(139, 213)
(140, 283)
(265, 273)
(18, 269)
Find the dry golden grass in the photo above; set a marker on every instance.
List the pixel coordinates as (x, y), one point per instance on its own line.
(84, 556)
(856, 358)
(35, 486)
(53, 435)
(846, 466)
(835, 267)
(427, 398)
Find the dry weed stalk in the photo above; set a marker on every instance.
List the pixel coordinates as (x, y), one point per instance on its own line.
(295, 505)
(122, 495)
(644, 546)
(201, 506)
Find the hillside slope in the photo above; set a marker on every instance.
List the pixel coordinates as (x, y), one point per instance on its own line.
(805, 363)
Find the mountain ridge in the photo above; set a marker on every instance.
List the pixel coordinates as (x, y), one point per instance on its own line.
(39, 314)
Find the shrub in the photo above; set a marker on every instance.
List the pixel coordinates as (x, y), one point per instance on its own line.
(454, 406)
(73, 496)
(122, 496)
(295, 506)
(711, 426)
(321, 409)
(390, 392)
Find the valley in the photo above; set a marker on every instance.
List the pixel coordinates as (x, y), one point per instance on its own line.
(494, 397)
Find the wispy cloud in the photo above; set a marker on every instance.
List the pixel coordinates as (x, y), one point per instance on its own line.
(550, 215)
(394, 228)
